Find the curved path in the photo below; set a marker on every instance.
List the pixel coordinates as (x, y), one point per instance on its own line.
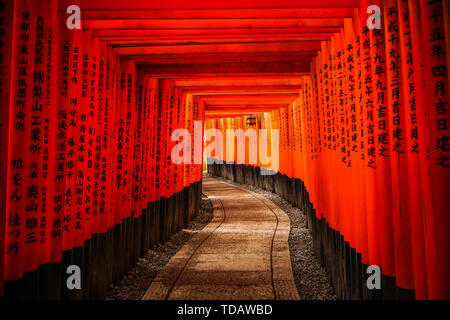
(243, 253)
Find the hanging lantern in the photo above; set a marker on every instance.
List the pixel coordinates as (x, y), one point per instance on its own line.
(251, 120)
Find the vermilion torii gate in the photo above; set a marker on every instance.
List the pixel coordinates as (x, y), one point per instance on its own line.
(88, 114)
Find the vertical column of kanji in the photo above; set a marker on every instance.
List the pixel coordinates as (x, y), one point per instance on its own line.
(153, 150)
(354, 194)
(341, 148)
(349, 115)
(369, 151)
(319, 82)
(24, 22)
(333, 189)
(436, 91)
(128, 151)
(311, 153)
(292, 139)
(318, 77)
(187, 147)
(71, 144)
(315, 193)
(86, 132)
(286, 140)
(97, 122)
(328, 83)
(52, 56)
(36, 222)
(114, 85)
(198, 141)
(152, 199)
(301, 154)
(170, 187)
(289, 141)
(144, 143)
(332, 138)
(175, 168)
(101, 140)
(147, 142)
(356, 136)
(57, 144)
(300, 164)
(295, 140)
(303, 132)
(296, 164)
(325, 92)
(104, 99)
(168, 183)
(305, 140)
(139, 145)
(130, 130)
(336, 141)
(160, 178)
(382, 144)
(179, 119)
(109, 161)
(93, 169)
(33, 145)
(411, 200)
(359, 189)
(146, 163)
(414, 118)
(6, 33)
(110, 130)
(118, 201)
(159, 118)
(311, 164)
(135, 201)
(120, 164)
(195, 116)
(181, 125)
(399, 164)
(153, 94)
(315, 116)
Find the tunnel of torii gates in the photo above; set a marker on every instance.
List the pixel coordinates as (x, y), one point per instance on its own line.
(87, 117)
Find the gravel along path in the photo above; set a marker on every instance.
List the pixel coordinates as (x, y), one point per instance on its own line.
(310, 278)
(135, 284)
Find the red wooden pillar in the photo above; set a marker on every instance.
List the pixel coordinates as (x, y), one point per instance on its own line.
(6, 23)
(399, 164)
(383, 147)
(369, 148)
(20, 117)
(436, 99)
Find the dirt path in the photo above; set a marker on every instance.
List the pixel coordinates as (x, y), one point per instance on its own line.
(242, 254)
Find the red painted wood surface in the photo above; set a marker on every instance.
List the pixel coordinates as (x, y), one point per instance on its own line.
(88, 115)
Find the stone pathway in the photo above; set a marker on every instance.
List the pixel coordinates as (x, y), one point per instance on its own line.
(242, 254)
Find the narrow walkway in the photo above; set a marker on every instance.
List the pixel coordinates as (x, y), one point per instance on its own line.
(242, 254)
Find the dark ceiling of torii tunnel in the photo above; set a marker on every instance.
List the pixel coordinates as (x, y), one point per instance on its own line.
(241, 57)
